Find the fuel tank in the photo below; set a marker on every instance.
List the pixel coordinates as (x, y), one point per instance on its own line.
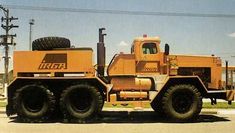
(131, 83)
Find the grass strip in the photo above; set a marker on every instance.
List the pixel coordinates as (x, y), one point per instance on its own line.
(219, 105)
(3, 104)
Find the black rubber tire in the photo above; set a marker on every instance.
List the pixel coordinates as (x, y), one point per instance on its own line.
(157, 107)
(80, 103)
(34, 103)
(49, 43)
(182, 102)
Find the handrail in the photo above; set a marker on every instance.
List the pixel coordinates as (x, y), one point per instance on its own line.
(111, 63)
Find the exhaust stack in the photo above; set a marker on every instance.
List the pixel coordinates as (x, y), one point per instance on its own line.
(101, 54)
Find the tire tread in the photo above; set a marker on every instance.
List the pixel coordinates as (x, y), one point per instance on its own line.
(49, 43)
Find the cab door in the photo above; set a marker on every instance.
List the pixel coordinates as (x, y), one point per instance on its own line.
(150, 58)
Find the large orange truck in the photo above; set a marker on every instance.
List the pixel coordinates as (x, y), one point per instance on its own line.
(55, 80)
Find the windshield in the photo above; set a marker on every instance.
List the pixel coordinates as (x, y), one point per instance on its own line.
(149, 48)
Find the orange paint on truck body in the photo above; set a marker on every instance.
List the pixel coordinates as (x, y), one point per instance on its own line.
(56, 61)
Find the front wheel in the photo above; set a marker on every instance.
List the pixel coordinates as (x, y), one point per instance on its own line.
(81, 102)
(182, 102)
(157, 107)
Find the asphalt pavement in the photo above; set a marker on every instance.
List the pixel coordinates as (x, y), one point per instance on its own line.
(125, 122)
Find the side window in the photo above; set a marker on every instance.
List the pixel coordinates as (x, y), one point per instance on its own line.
(149, 48)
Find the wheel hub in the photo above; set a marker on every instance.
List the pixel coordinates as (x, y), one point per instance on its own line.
(182, 101)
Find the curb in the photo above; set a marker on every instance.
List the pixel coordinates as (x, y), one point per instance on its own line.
(2, 110)
(203, 111)
(209, 111)
(226, 112)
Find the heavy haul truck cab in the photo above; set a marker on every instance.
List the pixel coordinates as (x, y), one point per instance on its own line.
(146, 58)
(147, 76)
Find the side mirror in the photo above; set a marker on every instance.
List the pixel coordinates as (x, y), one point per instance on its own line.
(167, 49)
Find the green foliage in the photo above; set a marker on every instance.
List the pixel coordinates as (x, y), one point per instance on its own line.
(219, 105)
(3, 104)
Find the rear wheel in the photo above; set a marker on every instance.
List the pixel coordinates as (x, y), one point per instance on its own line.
(182, 102)
(34, 103)
(81, 102)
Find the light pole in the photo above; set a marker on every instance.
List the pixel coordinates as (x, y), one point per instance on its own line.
(31, 23)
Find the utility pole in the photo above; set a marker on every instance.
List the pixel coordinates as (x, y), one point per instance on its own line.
(31, 23)
(7, 39)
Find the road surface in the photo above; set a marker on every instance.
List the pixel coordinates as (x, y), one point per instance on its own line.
(125, 122)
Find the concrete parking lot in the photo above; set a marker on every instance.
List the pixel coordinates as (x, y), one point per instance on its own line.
(125, 121)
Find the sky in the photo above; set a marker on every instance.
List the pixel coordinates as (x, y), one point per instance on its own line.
(184, 34)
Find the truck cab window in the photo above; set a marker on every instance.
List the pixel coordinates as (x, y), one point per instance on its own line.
(149, 48)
